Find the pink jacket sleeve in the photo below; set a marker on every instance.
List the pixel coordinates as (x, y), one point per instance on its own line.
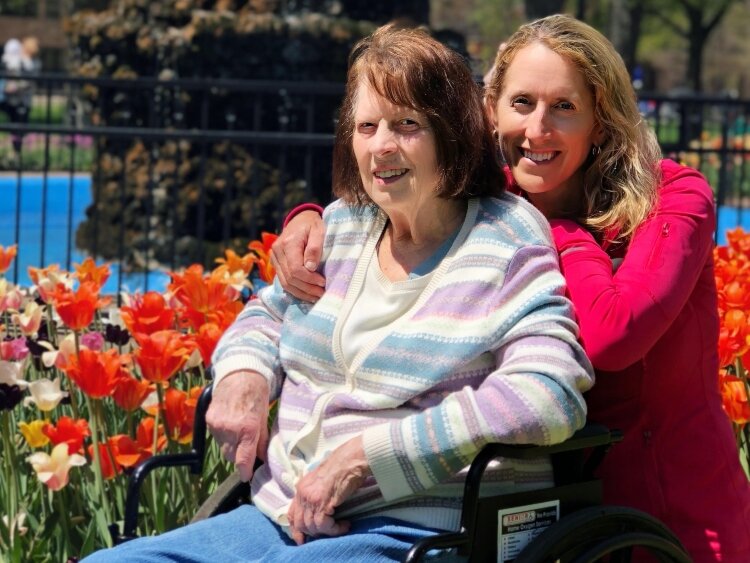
(622, 315)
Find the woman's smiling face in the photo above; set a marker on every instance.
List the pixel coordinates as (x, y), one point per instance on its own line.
(545, 118)
(395, 151)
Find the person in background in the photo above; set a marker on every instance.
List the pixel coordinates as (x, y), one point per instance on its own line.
(445, 328)
(635, 237)
(19, 58)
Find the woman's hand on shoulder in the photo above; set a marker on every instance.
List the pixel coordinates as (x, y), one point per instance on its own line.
(296, 255)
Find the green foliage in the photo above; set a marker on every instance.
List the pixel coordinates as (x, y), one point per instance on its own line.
(60, 153)
(495, 24)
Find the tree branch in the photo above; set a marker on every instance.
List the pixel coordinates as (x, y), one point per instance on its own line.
(669, 23)
(717, 16)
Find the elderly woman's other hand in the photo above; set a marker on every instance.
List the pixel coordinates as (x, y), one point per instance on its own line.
(324, 488)
(238, 419)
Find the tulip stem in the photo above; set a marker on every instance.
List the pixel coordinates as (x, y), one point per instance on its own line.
(64, 513)
(51, 327)
(98, 463)
(11, 473)
(72, 388)
(160, 396)
(107, 447)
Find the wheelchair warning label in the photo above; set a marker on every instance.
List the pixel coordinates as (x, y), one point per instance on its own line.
(518, 525)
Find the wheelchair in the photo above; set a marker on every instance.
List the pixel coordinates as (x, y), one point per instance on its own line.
(565, 523)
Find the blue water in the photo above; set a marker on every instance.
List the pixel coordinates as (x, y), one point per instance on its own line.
(729, 218)
(66, 201)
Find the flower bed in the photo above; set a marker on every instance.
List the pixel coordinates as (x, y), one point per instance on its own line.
(732, 272)
(88, 391)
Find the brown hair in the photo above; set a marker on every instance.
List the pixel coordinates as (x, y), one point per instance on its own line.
(620, 182)
(411, 69)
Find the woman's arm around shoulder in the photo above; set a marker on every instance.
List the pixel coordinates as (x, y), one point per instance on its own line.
(622, 314)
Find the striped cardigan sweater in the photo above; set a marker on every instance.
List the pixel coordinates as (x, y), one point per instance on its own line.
(487, 353)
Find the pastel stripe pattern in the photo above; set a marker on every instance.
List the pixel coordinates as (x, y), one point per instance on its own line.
(487, 353)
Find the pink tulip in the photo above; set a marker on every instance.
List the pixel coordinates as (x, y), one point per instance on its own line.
(10, 296)
(30, 320)
(14, 350)
(52, 470)
(93, 340)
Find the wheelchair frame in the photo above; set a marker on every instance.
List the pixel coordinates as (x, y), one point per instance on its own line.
(584, 533)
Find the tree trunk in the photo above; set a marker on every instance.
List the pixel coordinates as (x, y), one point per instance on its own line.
(697, 37)
(619, 24)
(635, 17)
(695, 61)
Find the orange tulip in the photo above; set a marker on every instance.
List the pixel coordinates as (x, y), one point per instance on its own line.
(96, 373)
(130, 392)
(207, 338)
(262, 249)
(77, 308)
(126, 452)
(68, 431)
(47, 279)
(739, 240)
(107, 459)
(90, 272)
(144, 436)
(6, 257)
(147, 314)
(162, 353)
(734, 398)
(204, 298)
(737, 295)
(234, 263)
(178, 416)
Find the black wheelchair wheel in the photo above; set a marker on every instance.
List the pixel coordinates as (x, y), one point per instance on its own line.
(590, 533)
(660, 547)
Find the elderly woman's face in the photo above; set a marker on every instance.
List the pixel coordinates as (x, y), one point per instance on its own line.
(395, 151)
(545, 118)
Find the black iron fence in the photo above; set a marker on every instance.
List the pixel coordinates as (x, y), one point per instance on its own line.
(155, 174)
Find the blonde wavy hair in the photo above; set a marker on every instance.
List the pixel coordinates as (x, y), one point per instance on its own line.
(620, 182)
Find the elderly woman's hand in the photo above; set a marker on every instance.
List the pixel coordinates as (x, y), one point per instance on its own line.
(324, 488)
(238, 419)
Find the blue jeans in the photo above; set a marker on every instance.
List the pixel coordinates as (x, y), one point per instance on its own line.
(245, 534)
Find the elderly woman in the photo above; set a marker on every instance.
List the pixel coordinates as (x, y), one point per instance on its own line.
(444, 327)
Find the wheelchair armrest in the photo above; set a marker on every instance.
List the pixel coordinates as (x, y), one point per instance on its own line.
(592, 436)
(193, 459)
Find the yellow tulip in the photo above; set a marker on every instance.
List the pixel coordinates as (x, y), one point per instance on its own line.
(33, 434)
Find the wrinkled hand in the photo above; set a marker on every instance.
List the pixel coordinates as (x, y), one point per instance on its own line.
(238, 419)
(296, 255)
(326, 487)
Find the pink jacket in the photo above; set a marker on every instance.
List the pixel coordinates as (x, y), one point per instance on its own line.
(651, 331)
